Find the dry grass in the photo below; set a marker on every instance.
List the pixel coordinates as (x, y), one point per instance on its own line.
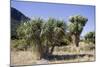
(22, 58)
(64, 54)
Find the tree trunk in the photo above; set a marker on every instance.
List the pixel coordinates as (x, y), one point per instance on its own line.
(75, 39)
(52, 49)
(46, 52)
(39, 49)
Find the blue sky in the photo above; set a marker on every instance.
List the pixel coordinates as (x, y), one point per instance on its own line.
(59, 11)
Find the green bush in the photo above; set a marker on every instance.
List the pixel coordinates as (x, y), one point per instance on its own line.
(19, 45)
(90, 37)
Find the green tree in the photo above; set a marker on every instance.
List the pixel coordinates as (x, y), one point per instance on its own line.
(30, 31)
(52, 33)
(90, 37)
(76, 26)
(58, 34)
(42, 35)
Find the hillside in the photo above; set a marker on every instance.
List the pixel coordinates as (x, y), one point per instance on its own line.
(16, 18)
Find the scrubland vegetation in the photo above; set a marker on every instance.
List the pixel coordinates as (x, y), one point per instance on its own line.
(42, 41)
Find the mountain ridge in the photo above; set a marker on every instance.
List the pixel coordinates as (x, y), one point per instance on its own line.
(17, 18)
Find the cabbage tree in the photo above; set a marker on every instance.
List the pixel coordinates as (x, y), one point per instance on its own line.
(76, 26)
(30, 31)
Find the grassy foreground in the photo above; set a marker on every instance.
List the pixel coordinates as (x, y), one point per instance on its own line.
(64, 54)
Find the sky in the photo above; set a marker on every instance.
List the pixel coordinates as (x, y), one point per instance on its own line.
(57, 11)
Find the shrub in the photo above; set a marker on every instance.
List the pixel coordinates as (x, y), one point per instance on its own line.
(19, 45)
(90, 37)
